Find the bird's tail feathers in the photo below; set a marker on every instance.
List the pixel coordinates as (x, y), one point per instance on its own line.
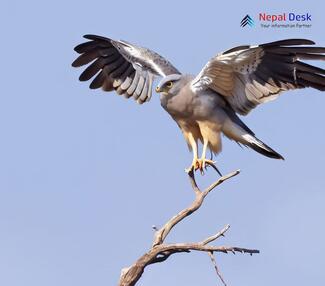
(261, 147)
(246, 137)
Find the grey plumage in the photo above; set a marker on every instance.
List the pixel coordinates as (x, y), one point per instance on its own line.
(121, 66)
(248, 76)
(235, 81)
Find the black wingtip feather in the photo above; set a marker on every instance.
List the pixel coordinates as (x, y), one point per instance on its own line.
(96, 38)
(98, 81)
(301, 66)
(289, 42)
(89, 36)
(312, 80)
(74, 64)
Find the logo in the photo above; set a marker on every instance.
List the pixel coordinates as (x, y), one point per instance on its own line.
(278, 20)
(247, 20)
(292, 17)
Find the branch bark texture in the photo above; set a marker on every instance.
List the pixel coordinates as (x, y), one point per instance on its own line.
(160, 251)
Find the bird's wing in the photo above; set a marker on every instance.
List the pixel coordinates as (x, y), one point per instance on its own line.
(250, 75)
(121, 66)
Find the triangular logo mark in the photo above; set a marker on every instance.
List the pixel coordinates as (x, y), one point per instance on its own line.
(247, 20)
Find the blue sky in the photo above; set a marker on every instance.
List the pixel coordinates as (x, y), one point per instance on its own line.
(84, 174)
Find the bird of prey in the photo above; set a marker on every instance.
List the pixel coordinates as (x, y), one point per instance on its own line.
(232, 83)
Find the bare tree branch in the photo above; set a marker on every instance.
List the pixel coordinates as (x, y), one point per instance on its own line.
(161, 251)
(164, 255)
(184, 247)
(213, 260)
(217, 235)
(161, 234)
(220, 181)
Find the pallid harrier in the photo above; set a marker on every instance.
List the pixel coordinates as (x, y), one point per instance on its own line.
(206, 105)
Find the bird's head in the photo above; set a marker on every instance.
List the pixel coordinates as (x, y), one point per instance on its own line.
(170, 84)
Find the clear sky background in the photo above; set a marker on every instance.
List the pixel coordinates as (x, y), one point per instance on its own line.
(85, 174)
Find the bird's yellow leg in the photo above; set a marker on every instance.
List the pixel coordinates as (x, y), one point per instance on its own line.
(195, 163)
(203, 161)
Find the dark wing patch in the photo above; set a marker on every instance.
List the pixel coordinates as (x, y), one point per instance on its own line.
(250, 75)
(114, 68)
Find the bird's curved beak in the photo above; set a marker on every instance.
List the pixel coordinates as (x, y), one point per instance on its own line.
(158, 89)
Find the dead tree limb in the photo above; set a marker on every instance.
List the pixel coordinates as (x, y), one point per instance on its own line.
(161, 251)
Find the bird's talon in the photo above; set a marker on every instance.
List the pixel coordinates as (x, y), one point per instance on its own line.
(202, 164)
(205, 163)
(196, 165)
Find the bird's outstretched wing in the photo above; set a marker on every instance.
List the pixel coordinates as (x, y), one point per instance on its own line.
(121, 66)
(250, 75)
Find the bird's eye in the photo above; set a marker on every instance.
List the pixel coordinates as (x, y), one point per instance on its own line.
(169, 84)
